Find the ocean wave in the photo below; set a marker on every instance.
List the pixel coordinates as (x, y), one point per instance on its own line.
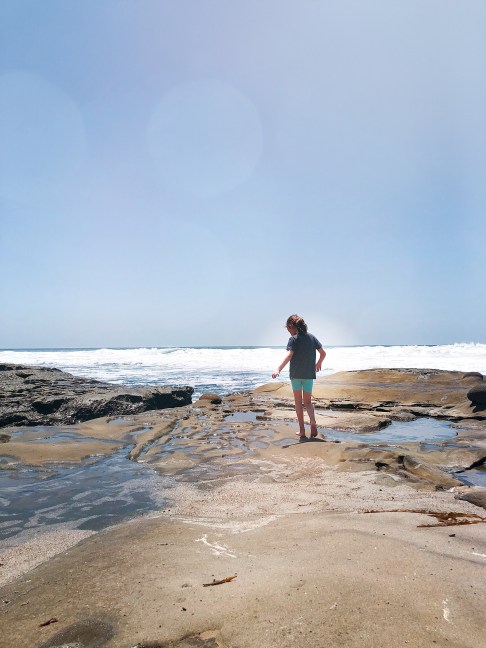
(226, 369)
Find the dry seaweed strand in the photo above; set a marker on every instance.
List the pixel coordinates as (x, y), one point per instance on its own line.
(444, 519)
(228, 579)
(48, 622)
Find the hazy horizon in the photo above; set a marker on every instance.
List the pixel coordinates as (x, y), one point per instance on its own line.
(226, 346)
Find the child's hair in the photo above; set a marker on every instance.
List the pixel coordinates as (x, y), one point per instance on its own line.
(298, 322)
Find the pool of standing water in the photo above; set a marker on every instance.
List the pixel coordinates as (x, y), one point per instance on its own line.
(420, 430)
(89, 496)
(107, 490)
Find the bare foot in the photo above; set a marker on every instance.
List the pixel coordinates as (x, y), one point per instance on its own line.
(313, 431)
(301, 433)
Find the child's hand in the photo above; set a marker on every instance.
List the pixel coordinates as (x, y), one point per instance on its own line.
(318, 365)
(276, 374)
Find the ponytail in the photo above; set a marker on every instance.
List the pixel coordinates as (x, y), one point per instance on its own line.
(298, 322)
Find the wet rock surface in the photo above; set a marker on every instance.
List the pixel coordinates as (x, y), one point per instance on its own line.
(43, 396)
(243, 434)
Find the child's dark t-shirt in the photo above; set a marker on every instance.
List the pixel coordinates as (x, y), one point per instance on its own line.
(303, 362)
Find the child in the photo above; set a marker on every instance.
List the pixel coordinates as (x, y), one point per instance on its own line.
(302, 347)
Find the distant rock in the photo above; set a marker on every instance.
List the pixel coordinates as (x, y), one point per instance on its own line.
(473, 374)
(214, 399)
(42, 396)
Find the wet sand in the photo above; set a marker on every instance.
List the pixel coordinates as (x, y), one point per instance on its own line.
(351, 544)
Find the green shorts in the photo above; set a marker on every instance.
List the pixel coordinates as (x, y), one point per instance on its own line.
(302, 384)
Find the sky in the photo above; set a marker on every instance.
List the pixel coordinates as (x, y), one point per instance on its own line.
(192, 172)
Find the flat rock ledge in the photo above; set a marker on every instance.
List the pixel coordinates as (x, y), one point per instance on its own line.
(401, 394)
(43, 396)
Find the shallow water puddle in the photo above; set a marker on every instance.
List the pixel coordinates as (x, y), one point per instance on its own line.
(421, 430)
(92, 496)
(52, 434)
(45, 434)
(107, 490)
(475, 477)
(246, 417)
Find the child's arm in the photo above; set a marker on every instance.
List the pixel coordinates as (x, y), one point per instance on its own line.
(286, 361)
(322, 355)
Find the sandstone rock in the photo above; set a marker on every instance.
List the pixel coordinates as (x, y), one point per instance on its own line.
(421, 392)
(43, 396)
(427, 473)
(476, 497)
(214, 399)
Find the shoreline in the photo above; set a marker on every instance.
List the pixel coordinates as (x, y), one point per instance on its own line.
(246, 498)
(227, 370)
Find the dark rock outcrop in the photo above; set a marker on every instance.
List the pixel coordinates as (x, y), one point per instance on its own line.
(477, 394)
(41, 396)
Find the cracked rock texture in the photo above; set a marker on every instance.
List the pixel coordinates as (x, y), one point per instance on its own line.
(42, 396)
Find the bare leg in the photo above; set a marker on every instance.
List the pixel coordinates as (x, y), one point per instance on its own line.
(299, 410)
(310, 411)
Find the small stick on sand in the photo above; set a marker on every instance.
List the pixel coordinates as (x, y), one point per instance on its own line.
(228, 579)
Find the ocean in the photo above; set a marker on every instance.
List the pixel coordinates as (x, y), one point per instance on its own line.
(225, 370)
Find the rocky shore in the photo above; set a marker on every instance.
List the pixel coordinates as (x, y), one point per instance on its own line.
(42, 396)
(344, 540)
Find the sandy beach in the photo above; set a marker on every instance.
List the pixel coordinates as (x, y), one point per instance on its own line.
(348, 543)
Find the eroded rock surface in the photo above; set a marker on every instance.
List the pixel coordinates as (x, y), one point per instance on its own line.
(396, 392)
(42, 396)
(219, 437)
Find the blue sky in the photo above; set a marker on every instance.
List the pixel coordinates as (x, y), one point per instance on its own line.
(192, 172)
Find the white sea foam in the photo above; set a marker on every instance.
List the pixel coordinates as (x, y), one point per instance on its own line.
(237, 368)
